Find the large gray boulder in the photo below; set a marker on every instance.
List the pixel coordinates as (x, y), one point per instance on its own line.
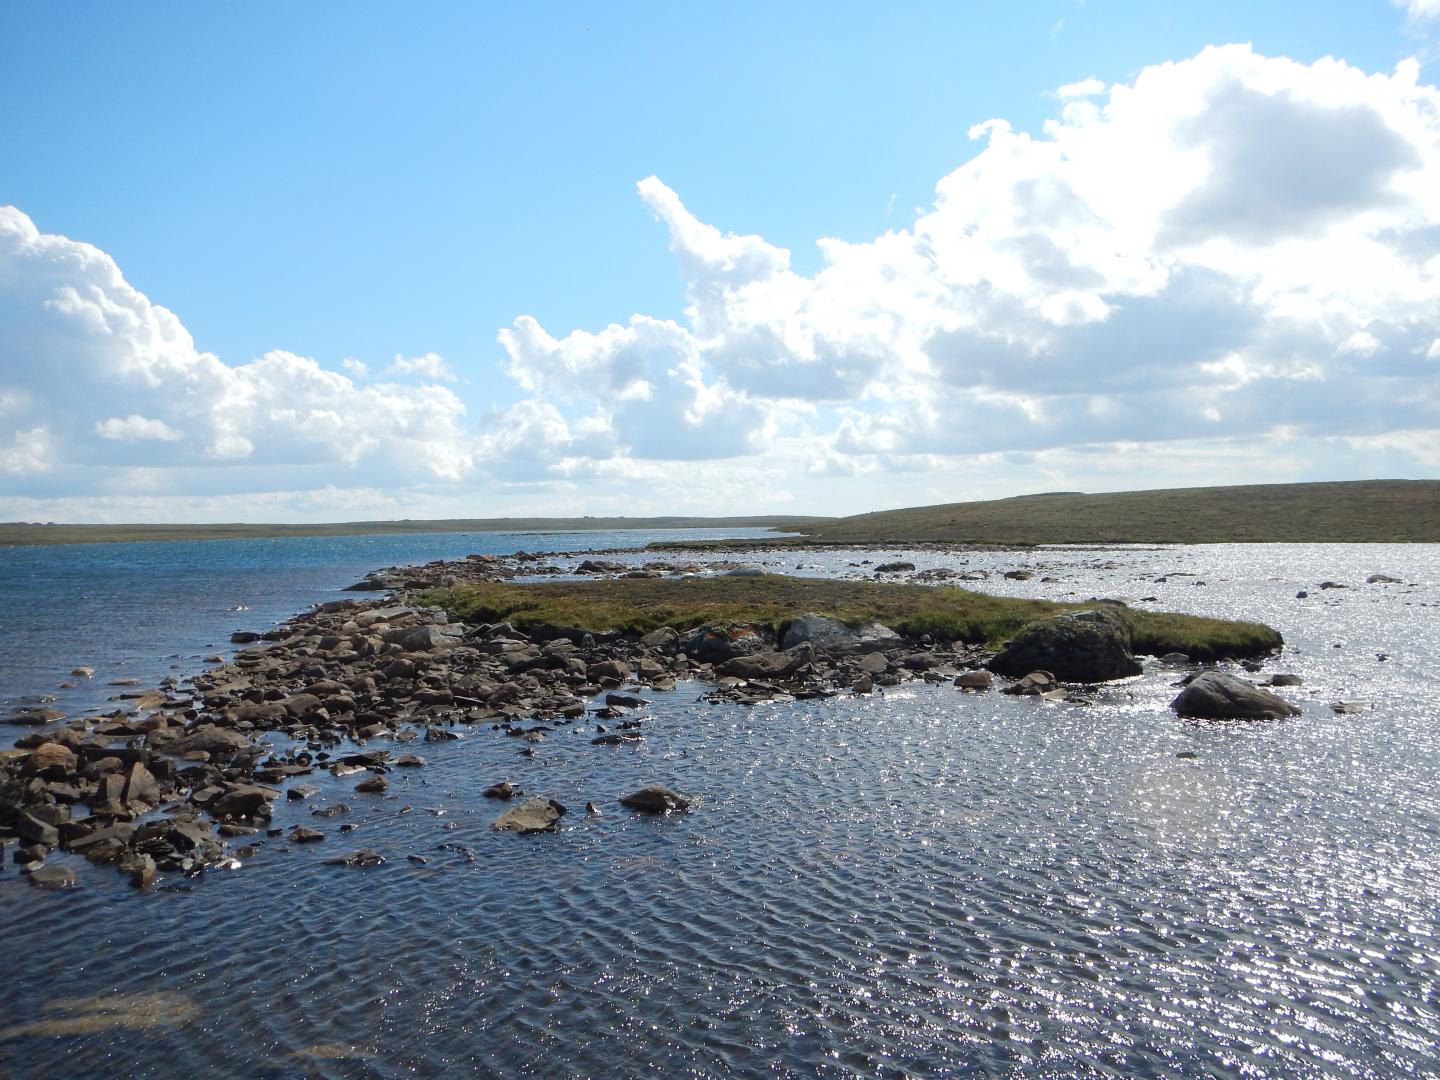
(211, 739)
(832, 636)
(1213, 695)
(1082, 646)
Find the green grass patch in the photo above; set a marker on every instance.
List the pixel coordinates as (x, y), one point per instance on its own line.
(639, 605)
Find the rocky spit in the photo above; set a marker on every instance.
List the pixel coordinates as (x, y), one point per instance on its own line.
(166, 781)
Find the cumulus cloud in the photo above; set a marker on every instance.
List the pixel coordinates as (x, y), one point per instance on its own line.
(99, 379)
(430, 366)
(1230, 245)
(1231, 258)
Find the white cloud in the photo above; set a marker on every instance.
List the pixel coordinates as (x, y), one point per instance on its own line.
(99, 379)
(1229, 256)
(430, 366)
(1420, 9)
(134, 428)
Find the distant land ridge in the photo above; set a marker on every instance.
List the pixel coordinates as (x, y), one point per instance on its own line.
(1355, 511)
(15, 534)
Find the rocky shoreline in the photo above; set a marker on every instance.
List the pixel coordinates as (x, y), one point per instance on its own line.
(163, 783)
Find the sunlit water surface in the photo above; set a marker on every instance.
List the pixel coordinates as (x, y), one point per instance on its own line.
(924, 883)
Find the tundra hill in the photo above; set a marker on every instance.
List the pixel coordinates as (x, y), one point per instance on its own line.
(1360, 511)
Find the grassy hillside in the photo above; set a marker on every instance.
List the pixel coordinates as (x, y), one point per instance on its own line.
(1363, 511)
(14, 534)
(641, 605)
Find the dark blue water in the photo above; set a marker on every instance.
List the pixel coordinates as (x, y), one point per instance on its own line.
(147, 610)
(924, 883)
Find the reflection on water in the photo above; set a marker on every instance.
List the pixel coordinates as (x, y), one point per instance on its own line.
(921, 883)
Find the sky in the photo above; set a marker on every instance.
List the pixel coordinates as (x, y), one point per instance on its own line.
(279, 262)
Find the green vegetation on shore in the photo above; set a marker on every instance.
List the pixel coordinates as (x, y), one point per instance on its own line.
(1361, 511)
(639, 605)
(17, 534)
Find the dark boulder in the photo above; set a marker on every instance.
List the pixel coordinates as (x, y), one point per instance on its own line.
(1213, 695)
(1083, 646)
(655, 799)
(717, 643)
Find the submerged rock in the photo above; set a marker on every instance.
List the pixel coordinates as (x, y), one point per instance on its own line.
(1213, 695)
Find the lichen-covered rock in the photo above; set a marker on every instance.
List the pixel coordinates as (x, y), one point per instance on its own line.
(1082, 646)
(533, 815)
(1213, 695)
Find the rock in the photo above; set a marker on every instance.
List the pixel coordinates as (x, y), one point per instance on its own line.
(1215, 695)
(898, 567)
(613, 671)
(664, 639)
(769, 665)
(301, 792)
(717, 643)
(746, 570)
(1382, 579)
(210, 739)
(1282, 679)
(35, 717)
(533, 815)
(1344, 707)
(873, 663)
(32, 829)
(373, 786)
(655, 799)
(1032, 684)
(1084, 646)
(974, 680)
(863, 685)
(50, 761)
(53, 877)
(1019, 575)
(626, 701)
(245, 801)
(139, 868)
(1175, 659)
(503, 790)
(424, 638)
(303, 834)
(410, 761)
(141, 788)
(832, 636)
(243, 637)
(363, 857)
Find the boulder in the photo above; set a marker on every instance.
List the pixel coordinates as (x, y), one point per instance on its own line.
(1083, 646)
(1033, 684)
(363, 857)
(141, 788)
(665, 639)
(424, 638)
(655, 799)
(899, 567)
(533, 815)
(210, 739)
(769, 665)
(53, 877)
(832, 636)
(1213, 695)
(974, 680)
(1381, 579)
(716, 643)
(50, 761)
(746, 570)
(245, 801)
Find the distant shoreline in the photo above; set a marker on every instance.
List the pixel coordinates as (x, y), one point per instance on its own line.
(22, 534)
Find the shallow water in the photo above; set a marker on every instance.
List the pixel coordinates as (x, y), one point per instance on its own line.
(923, 883)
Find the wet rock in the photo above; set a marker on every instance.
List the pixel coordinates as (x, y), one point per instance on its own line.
(409, 761)
(974, 680)
(1019, 575)
(1083, 646)
(1032, 684)
(1382, 579)
(1285, 679)
(303, 834)
(248, 802)
(655, 799)
(53, 877)
(503, 790)
(35, 717)
(626, 701)
(360, 858)
(331, 811)
(533, 815)
(373, 786)
(83, 672)
(611, 671)
(863, 685)
(1344, 707)
(897, 567)
(300, 792)
(1215, 695)
(139, 868)
(141, 788)
(1175, 659)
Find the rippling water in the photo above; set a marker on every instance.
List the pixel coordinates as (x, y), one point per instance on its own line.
(923, 883)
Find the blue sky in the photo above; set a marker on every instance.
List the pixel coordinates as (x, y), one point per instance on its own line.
(364, 182)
